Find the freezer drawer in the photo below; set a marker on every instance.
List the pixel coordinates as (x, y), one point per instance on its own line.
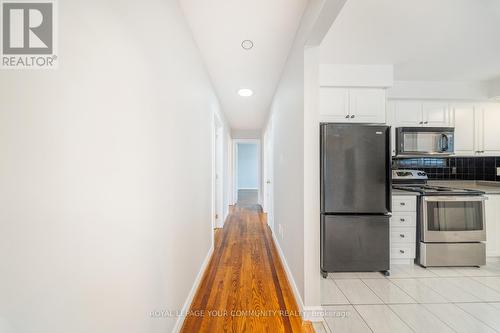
(352, 243)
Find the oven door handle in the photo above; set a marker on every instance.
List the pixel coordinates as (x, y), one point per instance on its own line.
(455, 198)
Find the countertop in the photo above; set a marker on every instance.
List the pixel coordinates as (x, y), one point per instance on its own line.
(485, 186)
(401, 192)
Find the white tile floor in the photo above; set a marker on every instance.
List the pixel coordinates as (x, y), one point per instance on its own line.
(414, 299)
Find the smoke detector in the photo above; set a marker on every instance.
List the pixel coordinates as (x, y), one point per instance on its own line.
(247, 44)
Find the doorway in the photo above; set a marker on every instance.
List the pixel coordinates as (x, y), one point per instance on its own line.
(247, 171)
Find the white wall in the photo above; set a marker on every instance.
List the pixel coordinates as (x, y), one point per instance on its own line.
(438, 90)
(494, 88)
(243, 134)
(288, 148)
(248, 166)
(105, 174)
(295, 175)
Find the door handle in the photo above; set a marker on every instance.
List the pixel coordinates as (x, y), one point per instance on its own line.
(352, 116)
(347, 116)
(268, 182)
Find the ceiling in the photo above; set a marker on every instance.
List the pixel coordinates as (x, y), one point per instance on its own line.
(220, 26)
(426, 40)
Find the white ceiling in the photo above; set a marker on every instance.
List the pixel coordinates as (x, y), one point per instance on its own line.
(219, 27)
(426, 40)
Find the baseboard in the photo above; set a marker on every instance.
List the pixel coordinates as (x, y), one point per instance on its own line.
(192, 292)
(310, 313)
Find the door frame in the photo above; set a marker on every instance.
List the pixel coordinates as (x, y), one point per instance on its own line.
(217, 218)
(268, 174)
(235, 167)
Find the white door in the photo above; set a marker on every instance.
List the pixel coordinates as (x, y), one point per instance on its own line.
(334, 104)
(407, 113)
(436, 114)
(268, 174)
(464, 129)
(490, 129)
(367, 105)
(219, 170)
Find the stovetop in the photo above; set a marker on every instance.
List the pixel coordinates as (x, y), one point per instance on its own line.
(436, 190)
(416, 181)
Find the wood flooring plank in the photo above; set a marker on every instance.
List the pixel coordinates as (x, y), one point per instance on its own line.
(244, 287)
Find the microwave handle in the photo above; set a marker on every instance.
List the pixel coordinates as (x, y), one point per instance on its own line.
(445, 143)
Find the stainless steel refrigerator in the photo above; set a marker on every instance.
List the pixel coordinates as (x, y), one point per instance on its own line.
(355, 197)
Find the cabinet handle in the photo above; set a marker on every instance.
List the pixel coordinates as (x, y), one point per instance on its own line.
(421, 122)
(347, 116)
(402, 235)
(402, 220)
(401, 251)
(426, 122)
(352, 116)
(402, 204)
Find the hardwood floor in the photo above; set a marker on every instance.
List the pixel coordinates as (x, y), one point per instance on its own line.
(245, 288)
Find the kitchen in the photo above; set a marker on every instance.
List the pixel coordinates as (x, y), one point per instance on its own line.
(444, 173)
(435, 240)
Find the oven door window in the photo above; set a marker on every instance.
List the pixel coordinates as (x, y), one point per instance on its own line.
(454, 215)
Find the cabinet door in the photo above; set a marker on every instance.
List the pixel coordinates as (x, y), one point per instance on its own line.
(436, 114)
(464, 129)
(492, 217)
(407, 113)
(490, 133)
(334, 104)
(367, 105)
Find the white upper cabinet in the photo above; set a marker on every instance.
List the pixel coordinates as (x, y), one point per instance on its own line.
(436, 114)
(367, 105)
(407, 113)
(489, 133)
(477, 125)
(465, 129)
(360, 105)
(334, 104)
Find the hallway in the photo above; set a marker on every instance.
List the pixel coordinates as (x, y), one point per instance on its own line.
(245, 288)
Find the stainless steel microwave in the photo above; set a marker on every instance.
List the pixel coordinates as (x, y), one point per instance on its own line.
(425, 140)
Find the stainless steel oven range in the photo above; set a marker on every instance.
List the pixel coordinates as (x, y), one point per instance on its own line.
(451, 225)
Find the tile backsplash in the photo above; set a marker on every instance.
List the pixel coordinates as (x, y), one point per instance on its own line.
(453, 168)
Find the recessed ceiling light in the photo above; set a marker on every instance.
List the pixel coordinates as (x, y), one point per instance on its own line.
(247, 44)
(245, 92)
